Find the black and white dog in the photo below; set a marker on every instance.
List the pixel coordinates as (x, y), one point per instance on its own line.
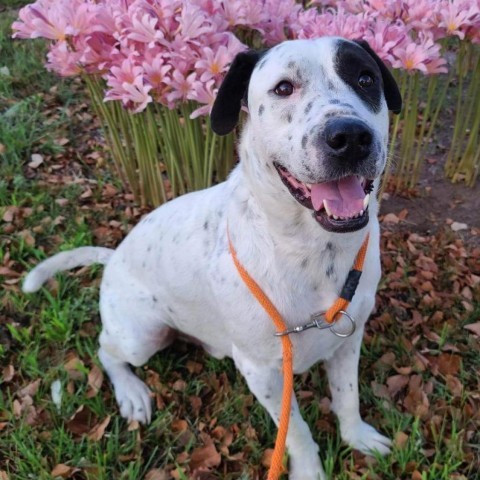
(298, 206)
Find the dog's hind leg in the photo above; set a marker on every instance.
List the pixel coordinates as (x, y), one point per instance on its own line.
(131, 334)
(266, 383)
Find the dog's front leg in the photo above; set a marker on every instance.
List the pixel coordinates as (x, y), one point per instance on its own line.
(342, 370)
(266, 383)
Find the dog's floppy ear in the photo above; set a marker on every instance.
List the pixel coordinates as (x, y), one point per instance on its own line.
(227, 105)
(390, 87)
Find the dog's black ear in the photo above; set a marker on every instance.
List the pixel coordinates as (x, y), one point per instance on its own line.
(227, 105)
(390, 87)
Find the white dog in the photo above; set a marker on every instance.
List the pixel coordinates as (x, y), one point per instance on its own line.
(298, 207)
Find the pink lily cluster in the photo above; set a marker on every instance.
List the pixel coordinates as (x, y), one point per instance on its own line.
(172, 51)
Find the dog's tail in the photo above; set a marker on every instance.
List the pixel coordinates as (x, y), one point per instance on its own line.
(79, 257)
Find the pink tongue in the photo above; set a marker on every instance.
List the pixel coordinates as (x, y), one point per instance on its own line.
(345, 196)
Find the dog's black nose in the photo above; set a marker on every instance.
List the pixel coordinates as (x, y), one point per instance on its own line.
(348, 138)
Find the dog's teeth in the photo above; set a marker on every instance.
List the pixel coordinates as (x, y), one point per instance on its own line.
(366, 200)
(361, 213)
(325, 205)
(336, 218)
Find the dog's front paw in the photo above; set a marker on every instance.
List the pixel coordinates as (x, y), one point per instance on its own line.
(366, 439)
(306, 470)
(134, 401)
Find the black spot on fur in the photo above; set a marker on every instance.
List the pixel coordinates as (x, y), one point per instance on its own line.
(149, 248)
(304, 141)
(330, 270)
(289, 117)
(334, 101)
(330, 85)
(304, 262)
(155, 299)
(330, 246)
(261, 109)
(290, 64)
(205, 225)
(308, 107)
(170, 309)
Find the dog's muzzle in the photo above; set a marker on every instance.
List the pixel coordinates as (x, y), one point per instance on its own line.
(340, 204)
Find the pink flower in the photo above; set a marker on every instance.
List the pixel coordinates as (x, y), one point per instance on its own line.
(155, 72)
(213, 63)
(144, 29)
(62, 60)
(203, 93)
(55, 20)
(384, 37)
(181, 86)
(423, 55)
(127, 85)
(455, 17)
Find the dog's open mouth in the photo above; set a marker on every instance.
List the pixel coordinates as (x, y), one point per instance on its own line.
(339, 205)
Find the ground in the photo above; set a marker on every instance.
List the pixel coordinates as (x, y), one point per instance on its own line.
(58, 419)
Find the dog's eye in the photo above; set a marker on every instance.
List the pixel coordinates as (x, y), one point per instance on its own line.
(365, 80)
(284, 89)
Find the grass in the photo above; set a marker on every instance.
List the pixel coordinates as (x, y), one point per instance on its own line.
(52, 336)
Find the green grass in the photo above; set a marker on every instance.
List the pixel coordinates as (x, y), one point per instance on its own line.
(40, 333)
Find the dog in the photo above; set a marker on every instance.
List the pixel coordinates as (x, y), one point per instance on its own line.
(297, 208)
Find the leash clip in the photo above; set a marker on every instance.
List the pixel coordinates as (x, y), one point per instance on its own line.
(319, 322)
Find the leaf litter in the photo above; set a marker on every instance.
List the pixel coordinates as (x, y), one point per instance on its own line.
(421, 356)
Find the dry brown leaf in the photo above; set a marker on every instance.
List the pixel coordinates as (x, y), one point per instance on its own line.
(97, 432)
(8, 373)
(449, 364)
(27, 237)
(267, 457)
(73, 367)
(474, 328)
(36, 160)
(157, 474)
(95, 380)
(454, 385)
(205, 457)
(30, 390)
(396, 383)
(400, 440)
(391, 218)
(62, 470)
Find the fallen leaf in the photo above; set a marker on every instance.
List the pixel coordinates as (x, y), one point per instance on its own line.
(36, 160)
(30, 390)
(95, 380)
(449, 364)
(396, 383)
(400, 440)
(474, 328)
(391, 218)
(97, 432)
(457, 226)
(157, 474)
(8, 373)
(267, 457)
(205, 457)
(62, 470)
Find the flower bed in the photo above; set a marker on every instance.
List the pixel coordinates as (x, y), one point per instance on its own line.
(153, 68)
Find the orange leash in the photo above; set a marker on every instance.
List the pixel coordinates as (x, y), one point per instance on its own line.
(341, 304)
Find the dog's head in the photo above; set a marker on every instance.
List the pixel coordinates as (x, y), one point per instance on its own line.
(318, 115)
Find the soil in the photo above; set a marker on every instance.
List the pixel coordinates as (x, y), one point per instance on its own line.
(437, 202)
